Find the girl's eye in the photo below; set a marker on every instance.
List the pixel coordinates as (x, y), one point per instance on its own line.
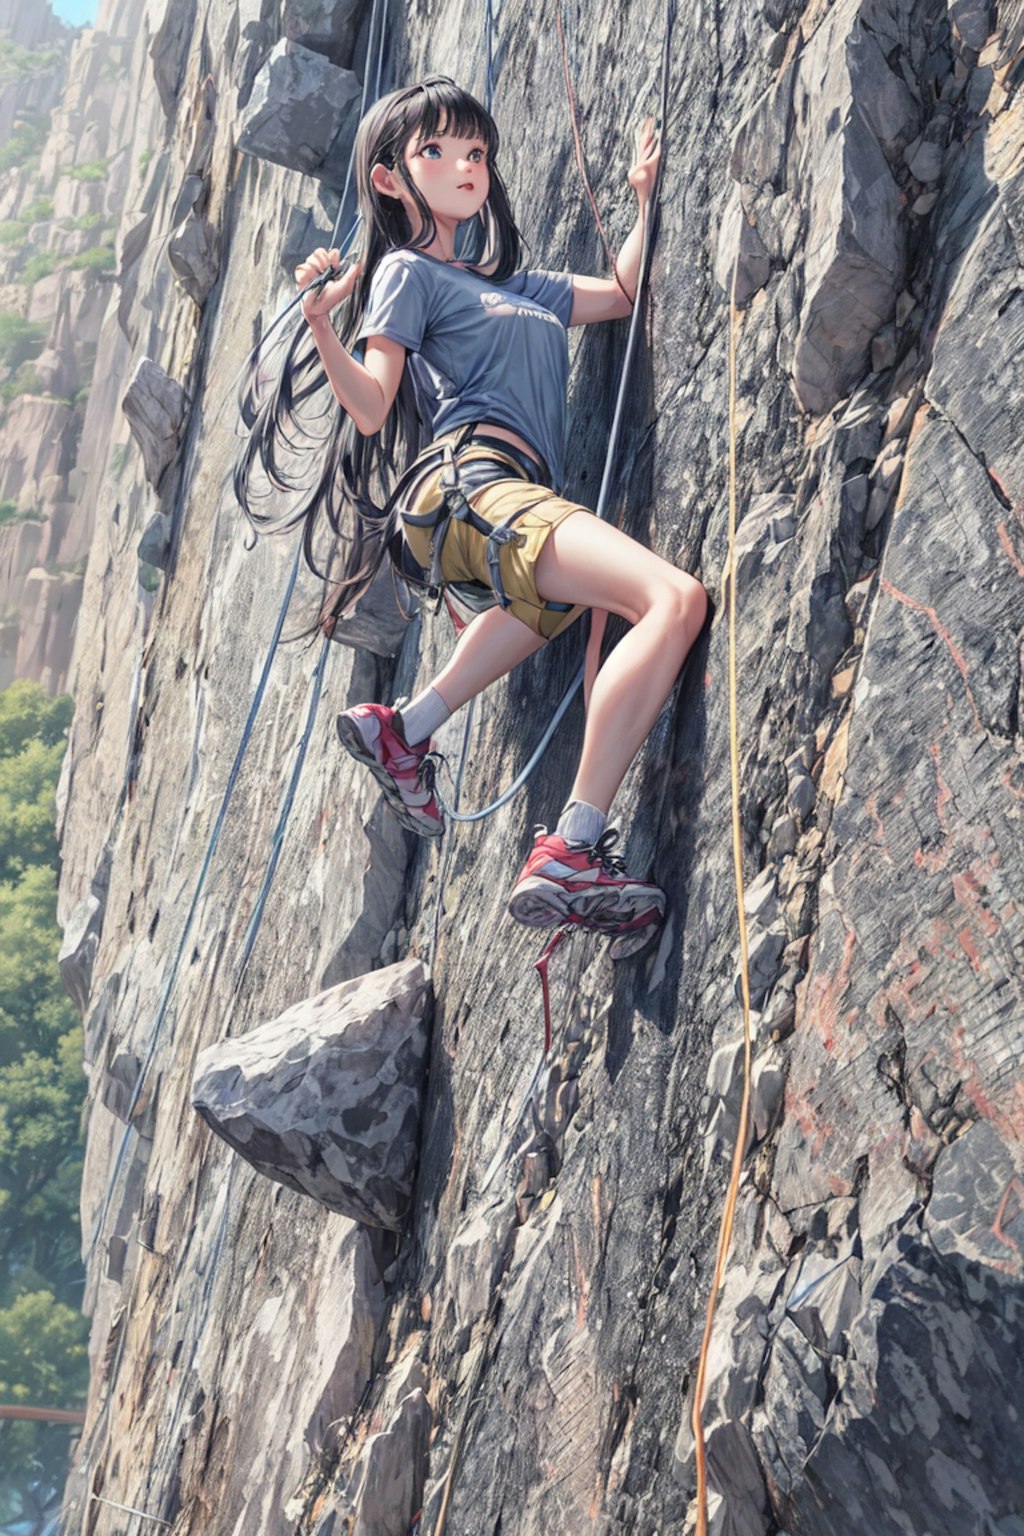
(427, 148)
(478, 153)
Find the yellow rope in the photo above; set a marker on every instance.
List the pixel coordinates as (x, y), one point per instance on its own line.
(725, 1232)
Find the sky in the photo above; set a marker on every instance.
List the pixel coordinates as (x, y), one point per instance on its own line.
(76, 13)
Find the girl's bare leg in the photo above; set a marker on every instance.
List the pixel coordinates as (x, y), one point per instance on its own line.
(489, 646)
(587, 561)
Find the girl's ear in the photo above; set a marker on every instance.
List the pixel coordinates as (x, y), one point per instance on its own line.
(383, 181)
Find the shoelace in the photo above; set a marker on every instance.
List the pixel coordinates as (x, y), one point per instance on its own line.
(601, 851)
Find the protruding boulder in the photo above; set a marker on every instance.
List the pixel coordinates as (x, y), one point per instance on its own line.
(155, 405)
(325, 26)
(326, 1098)
(82, 936)
(154, 546)
(302, 113)
(194, 254)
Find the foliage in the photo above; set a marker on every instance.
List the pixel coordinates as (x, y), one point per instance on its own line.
(40, 1159)
(85, 221)
(43, 1355)
(17, 62)
(28, 713)
(23, 144)
(40, 265)
(38, 210)
(92, 170)
(20, 339)
(25, 382)
(13, 231)
(11, 513)
(100, 258)
(35, 1012)
(144, 159)
(43, 1361)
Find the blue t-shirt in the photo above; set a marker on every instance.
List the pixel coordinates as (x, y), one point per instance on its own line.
(479, 350)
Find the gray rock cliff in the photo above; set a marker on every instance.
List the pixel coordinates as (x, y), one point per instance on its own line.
(522, 1356)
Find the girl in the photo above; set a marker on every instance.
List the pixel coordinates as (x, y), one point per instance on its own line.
(476, 351)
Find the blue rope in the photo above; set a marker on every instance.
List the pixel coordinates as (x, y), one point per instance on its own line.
(218, 825)
(489, 40)
(285, 811)
(237, 764)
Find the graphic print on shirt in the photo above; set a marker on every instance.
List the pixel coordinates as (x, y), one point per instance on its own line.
(498, 304)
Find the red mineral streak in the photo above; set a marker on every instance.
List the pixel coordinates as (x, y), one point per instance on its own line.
(1011, 553)
(1008, 1118)
(943, 633)
(824, 996)
(871, 806)
(945, 794)
(968, 891)
(816, 1132)
(969, 948)
(1011, 1207)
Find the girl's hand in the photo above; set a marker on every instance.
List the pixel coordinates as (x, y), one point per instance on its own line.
(648, 158)
(331, 293)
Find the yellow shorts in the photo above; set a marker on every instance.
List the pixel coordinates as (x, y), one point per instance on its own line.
(534, 511)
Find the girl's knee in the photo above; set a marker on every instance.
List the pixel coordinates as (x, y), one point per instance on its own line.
(695, 601)
(683, 603)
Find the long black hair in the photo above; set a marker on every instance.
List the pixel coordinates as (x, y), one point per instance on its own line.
(354, 471)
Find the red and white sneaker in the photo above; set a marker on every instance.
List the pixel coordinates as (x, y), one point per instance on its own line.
(403, 772)
(561, 883)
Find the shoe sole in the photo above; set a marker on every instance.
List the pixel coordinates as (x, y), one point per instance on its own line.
(625, 945)
(541, 903)
(351, 739)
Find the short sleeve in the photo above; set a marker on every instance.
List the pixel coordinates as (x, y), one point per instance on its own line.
(397, 305)
(551, 289)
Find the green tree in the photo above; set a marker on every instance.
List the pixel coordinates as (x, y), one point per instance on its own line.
(27, 783)
(43, 1363)
(35, 1011)
(43, 1357)
(23, 144)
(41, 1166)
(28, 713)
(20, 340)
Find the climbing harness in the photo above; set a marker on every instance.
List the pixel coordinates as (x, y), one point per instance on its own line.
(447, 457)
(588, 671)
(455, 816)
(729, 1210)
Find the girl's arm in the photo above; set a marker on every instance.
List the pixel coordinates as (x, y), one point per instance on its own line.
(366, 390)
(601, 298)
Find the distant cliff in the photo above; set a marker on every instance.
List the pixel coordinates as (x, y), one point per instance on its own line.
(528, 1350)
(67, 179)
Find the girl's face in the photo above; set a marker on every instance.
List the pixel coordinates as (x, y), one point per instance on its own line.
(450, 173)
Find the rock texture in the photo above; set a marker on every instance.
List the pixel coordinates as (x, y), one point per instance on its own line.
(523, 1357)
(326, 1099)
(64, 201)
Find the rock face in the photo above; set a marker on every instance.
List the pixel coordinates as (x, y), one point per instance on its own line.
(326, 1098)
(522, 1357)
(73, 107)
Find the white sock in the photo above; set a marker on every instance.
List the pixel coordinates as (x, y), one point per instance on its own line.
(426, 713)
(581, 823)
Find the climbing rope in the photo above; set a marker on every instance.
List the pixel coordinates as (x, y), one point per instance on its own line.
(450, 812)
(728, 1213)
(378, 20)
